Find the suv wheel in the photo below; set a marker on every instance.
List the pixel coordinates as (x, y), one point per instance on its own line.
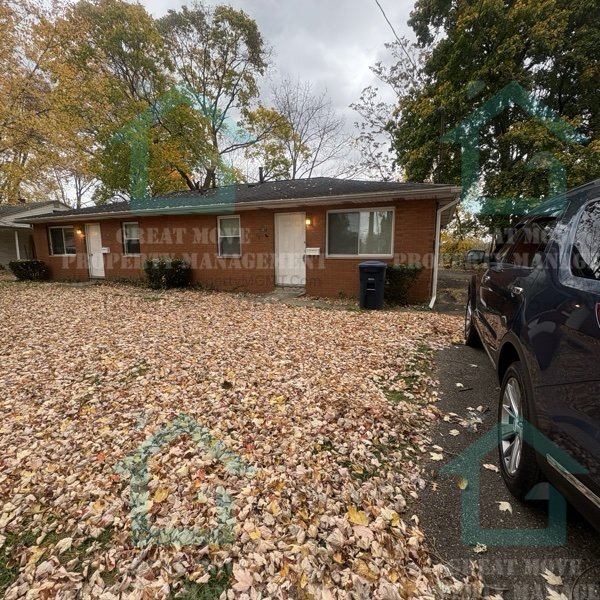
(471, 336)
(518, 462)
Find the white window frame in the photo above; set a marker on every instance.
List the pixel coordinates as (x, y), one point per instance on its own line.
(220, 237)
(126, 239)
(62, 228)
(391, 209)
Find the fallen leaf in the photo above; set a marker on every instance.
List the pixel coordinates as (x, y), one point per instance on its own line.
(160, 494)
(243, 578)
(490, 467)
(357, 517)
(551, 578)
(255, 534)
(436, 456)
(480, 548)
(63, 545)
(505, 507)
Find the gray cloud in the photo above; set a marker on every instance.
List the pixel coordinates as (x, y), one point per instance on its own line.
(330, 43)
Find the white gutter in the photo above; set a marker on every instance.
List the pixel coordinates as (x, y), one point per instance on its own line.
(436, 253)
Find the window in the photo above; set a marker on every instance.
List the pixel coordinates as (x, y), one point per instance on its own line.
(230, 239)
(585, 255)
(62, 240)
(360, 233)
(131, 238)
(531, 242)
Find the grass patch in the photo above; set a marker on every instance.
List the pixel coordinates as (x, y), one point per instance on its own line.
(109, 578)
(423, 348)
(78, 552)
(396, 396)
(9, 570)
(211, 590)
(325, 445)
(357, 471)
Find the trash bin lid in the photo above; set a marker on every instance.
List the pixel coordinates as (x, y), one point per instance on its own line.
(372, 263)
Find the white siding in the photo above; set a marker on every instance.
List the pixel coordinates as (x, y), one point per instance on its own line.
(8, 251)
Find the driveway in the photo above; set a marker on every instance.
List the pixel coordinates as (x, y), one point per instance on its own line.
(468, 395)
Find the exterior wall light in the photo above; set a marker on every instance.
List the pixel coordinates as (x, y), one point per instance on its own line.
(308, 221)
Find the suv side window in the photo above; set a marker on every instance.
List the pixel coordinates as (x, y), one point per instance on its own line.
(585, 255)
(531, 242)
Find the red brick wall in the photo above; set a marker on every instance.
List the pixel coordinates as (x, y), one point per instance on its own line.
(414, 236)
(194, 237)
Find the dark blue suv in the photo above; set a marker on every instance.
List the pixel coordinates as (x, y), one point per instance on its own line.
(536, 311)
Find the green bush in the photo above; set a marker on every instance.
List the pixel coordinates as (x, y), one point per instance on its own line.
(29, 270)
(164, 273)
(398, 281)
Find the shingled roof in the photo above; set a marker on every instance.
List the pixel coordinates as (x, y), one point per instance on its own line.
(14, 209)
(9, 213)
(270, 193)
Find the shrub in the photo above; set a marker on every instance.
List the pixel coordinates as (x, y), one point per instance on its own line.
(29, 270)
(398, 281)
(164, 273)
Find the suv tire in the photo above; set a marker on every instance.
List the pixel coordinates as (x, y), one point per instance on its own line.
(472, 338)
(518, 461)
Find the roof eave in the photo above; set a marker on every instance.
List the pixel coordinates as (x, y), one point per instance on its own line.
(439, 193)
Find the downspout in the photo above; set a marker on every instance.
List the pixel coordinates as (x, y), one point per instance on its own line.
(17, 245)
(436, 252)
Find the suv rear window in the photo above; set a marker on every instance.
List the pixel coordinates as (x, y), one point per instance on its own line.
(585, 255)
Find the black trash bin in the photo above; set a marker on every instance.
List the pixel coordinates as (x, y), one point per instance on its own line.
(372, 284)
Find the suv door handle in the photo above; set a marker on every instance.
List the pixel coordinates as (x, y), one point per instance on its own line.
(515, 290)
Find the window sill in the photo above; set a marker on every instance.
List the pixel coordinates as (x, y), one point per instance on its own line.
(61, 255)
(132, 255)
(229, 256)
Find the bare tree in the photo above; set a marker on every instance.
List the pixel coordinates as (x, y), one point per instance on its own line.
(72, 187)
(318, 143)
(376, 126)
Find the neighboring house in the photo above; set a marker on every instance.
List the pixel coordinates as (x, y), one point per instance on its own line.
(253, 237)
(16, 238)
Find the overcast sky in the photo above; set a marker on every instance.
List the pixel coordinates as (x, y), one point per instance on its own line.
(330, 43)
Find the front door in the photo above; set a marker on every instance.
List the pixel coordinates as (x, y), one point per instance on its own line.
(290, 248)
(93, 238)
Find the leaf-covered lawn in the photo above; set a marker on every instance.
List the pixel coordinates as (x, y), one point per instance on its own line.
(329, 407)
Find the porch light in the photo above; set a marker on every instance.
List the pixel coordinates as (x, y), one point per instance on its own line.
(79, 231)
(308, 221)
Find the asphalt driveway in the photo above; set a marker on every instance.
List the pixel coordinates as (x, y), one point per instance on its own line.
(468, 396)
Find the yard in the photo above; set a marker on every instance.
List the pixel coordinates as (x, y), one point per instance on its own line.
(330, 410)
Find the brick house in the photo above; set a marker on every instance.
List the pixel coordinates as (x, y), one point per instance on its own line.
(254, 237)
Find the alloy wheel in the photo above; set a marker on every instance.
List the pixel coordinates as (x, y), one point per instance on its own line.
(511, 424)
(468, 319)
